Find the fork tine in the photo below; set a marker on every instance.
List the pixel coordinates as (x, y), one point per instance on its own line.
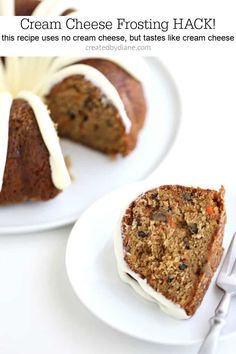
(226, 268)
(233, 271)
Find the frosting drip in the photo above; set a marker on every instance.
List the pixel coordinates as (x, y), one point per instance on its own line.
(60, 175)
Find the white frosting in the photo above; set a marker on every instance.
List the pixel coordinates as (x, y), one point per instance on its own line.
(98, 79)
(5, 108)
(60, 175)
(7, 7)
(140, 285)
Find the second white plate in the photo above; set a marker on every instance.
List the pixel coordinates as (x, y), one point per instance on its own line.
(91, 268)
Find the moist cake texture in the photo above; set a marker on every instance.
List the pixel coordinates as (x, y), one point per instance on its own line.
(172, 237)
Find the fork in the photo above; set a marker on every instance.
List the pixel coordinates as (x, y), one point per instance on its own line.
(226, 281)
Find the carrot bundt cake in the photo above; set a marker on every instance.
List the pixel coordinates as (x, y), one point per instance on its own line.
(170, 244)
(98, 102)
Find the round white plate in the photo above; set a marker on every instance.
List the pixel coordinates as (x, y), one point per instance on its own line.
(91, 268)
(96, 174)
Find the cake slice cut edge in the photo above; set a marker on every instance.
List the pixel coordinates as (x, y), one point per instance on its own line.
(169, 244)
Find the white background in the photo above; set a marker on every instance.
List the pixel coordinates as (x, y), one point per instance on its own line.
(39, 312)
(131, 10)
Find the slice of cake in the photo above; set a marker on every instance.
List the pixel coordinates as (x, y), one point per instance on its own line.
(98, 103)
(170, 244)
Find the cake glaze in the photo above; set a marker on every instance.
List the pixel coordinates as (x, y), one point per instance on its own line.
(60, 175)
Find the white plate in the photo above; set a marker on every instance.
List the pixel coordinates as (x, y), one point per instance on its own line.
(96, 174)
(91, 268)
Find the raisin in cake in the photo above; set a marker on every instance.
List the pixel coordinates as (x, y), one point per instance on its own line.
(170, 245)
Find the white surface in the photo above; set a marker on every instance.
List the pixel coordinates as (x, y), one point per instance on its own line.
(39, 311)
(96, 174)
(92, 270)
